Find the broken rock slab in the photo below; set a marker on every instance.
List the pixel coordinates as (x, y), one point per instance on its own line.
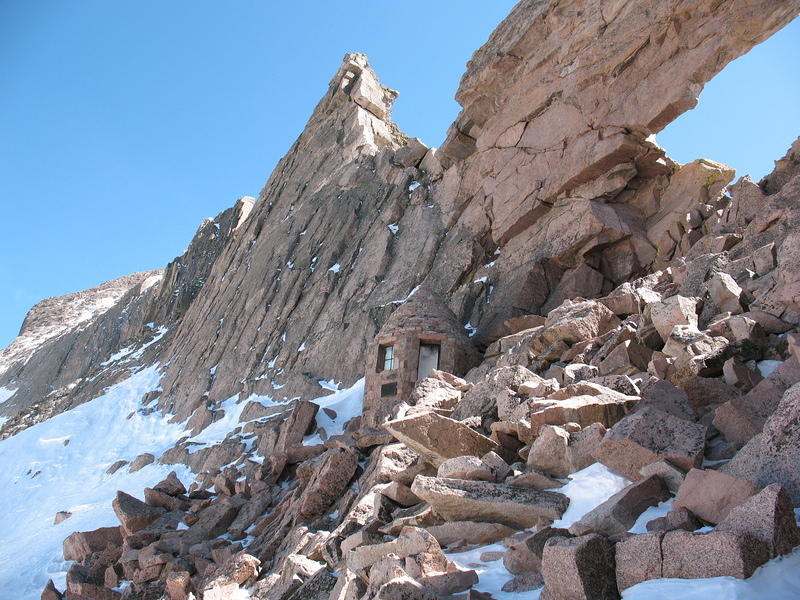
(437, 438)
(460, 500)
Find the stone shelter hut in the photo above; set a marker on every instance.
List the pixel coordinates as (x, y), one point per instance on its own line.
(421, 335)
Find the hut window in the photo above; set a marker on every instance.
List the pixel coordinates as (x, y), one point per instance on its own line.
(386, 358)
(388, 389)
(428, 359)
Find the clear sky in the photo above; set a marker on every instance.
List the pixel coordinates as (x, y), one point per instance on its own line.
(124, 124)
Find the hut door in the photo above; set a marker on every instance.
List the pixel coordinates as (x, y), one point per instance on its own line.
(428, 359)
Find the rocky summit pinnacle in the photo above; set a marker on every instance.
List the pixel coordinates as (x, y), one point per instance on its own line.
(519, 343)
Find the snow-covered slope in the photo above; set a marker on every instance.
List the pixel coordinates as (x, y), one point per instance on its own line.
(60, 465)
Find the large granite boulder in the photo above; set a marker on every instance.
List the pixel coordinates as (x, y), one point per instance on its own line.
(650, 435)
(461, 500)
(436, 438)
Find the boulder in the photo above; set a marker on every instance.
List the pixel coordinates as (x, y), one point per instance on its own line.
(171, 485)
(437, 438)
(606, 407)
(711, 494)
(134, 514)
(460, 500)
(627, 358)
(664, 396)
(214, 520)
(155, 497)
(579, 568)
(434, 392)
(773, 455)
(468, 532)
(466, 467)
(742, 417)
(524, 549)
(705, 394)
(688, 555)
(141, 461)
(578, 321)
(411, 541)
(740, 376)
(679, 518)
(695, 352)
(619, 512)
(330, 475)
(494, 392)
(650, 435)
(81, 544)
(638, 558)
(400, 493)
(671, 475)
(768, 516)
(725, 293)
(50, 592)
(559, 453)
(675, 310)
(534, 480)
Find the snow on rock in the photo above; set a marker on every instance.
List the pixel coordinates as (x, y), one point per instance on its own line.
(491, 575)
(346, 403)
(776, 580)
(766, 367)
(654, 512)
(40, 475)
(223, 424)
(53, 317)
(588, 488)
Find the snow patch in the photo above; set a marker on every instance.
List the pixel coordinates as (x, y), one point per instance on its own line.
(491, 575)
(40, 476)
(394, 228)
(5, 394)
(587, 488)
(336, 268)
(217, 431)
(776, 580)
(766, 367)
(345, 403)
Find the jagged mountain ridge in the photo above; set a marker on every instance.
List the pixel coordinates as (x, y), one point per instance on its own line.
(549, 189)
(542, 147)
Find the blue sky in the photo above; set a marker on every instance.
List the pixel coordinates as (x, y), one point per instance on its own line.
(124, 124)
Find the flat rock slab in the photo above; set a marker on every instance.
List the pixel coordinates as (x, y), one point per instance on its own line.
(461, 500)
(470, 532)
(437, 438)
